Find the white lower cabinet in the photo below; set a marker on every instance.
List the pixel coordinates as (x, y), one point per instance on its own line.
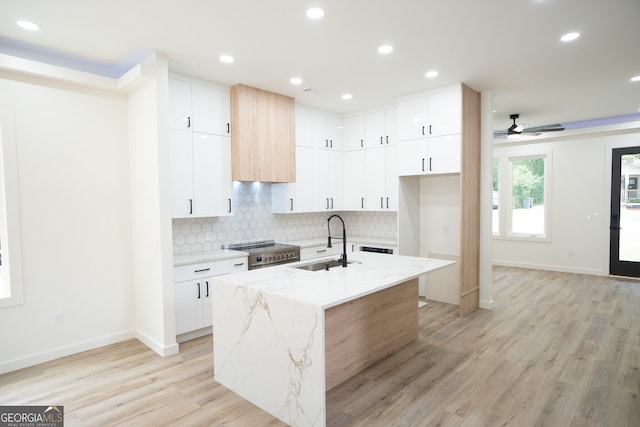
(192, 291)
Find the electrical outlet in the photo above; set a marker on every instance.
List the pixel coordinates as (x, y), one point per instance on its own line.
(58, 318)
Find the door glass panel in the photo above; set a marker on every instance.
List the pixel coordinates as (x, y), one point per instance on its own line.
(630, 208)
(495, 200)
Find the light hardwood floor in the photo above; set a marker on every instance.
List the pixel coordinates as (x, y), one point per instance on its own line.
(557, 350)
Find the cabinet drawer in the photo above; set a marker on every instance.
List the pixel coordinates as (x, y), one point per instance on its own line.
(321, 251)
(200, 270)
(239, 264)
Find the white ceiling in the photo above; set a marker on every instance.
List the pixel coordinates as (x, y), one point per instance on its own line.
(510, 47)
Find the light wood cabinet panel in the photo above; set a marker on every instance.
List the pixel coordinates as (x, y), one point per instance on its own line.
(262, 135)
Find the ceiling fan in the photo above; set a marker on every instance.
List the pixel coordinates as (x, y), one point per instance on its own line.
(515, 129)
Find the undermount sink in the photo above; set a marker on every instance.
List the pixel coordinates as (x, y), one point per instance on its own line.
(323, 265)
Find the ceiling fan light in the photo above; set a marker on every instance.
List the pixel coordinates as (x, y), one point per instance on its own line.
(28, 25)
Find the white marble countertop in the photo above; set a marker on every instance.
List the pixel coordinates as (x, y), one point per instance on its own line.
(194, 258)
(370, 273)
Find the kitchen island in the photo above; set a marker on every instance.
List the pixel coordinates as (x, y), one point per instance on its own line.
(283, 336)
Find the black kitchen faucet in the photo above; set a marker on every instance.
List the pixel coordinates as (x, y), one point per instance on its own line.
(344, 238)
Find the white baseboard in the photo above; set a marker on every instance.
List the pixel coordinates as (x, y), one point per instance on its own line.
(56, 353)
(160, 349)
(487, 305)
(558, 268)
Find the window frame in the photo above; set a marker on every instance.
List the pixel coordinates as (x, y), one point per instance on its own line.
(505, 160)
(11, 288)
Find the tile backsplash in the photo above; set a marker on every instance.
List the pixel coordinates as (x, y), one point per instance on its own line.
(254, 221)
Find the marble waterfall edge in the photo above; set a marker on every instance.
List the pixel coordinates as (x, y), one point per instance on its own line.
(274, 355)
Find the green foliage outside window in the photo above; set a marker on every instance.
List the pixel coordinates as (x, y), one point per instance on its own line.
(528, 181)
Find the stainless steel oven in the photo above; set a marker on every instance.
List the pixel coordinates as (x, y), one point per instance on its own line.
(266, 253)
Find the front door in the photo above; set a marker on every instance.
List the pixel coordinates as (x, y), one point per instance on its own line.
(624, 250)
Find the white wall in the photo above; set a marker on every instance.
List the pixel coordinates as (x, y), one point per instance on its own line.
(580, 186)
(151, 210)
(73, 174)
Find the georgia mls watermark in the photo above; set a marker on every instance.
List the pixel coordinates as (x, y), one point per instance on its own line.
(31, 416)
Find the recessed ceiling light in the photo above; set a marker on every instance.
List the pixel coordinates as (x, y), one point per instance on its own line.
(635, 79)
(347, 96)
(315, 13)
(431, 74)
(27, 25)
(385, 49)
(569, 37)
(296, 80)
(227, 59)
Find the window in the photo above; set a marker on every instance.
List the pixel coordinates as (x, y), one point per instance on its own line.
(11, 293)
(521, 186)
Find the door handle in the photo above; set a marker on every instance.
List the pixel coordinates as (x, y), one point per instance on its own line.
(615, 227)
(198, 290)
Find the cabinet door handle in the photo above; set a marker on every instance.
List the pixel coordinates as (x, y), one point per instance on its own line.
(326, 143)
(353, 247)
(190, 206)
(381, 141)
(423, 130)
(387, 139)
(229, 205)
(362, 143)
(291, 201)
(238, 264)
(331, 143)
(207, 289)
(201, 270)
(332, 203)
(198, 290)
(381, 202)
(228, 128)
(430, 158)
(362, 202)
(387, 203)
(321, 251)
(188, 122)
(430, 130)
(327, 203)
(423, 164)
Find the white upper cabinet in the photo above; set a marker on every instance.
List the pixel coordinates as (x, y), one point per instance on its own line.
(445, 113)
(355, 180)
(200, 175)
(426, 156)
(382, 179)
(324, 129)
(354, 133)
(329, 186)
(297, 197)
(430, 115)
(199, 108)
(212, 185)
(381, 128)
(429, 129)
(211, 110)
